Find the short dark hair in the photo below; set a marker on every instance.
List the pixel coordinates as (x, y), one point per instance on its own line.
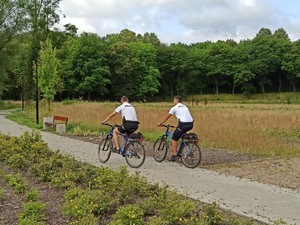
(178, 98)
(124, 99)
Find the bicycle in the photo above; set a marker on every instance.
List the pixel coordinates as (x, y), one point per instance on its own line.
(133, 151)
(189, 151)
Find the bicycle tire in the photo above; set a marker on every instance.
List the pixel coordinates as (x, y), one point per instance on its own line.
(160, 149)
(105, 146)
(190, 154)
(133, 152)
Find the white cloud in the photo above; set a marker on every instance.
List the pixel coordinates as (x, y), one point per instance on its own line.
(181, 20)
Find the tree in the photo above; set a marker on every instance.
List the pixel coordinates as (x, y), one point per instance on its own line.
(263, 58)
(240, 70)
(291, 64)
(197, 74)
(133, 68)
(283, 45)
(86, 67)
(40, 16)
(11, 21)
(145, 69)
(48, 76)
(173, 65)
(70, 29)
(216, 62)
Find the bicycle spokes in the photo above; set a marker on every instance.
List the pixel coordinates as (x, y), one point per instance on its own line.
(135, 154)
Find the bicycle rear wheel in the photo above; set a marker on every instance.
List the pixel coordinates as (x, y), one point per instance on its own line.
(190, 154)
(135, 154)
(160, 149)
(104, 149)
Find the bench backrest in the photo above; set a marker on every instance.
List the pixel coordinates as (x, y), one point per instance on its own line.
(60, 119)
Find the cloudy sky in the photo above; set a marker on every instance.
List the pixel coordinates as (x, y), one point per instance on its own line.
(186, 21)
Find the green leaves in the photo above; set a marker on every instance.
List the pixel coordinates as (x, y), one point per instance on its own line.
(134, 71)
(85, 67)
(48, 74)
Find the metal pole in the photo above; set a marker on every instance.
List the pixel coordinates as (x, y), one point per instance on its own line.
(36, 86)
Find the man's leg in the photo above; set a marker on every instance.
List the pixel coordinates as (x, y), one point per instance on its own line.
(174, 147)
(116, 138)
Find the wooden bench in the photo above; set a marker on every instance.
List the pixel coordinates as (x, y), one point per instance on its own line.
(59, 122)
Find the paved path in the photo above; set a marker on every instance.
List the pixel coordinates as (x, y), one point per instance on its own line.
(263, 202)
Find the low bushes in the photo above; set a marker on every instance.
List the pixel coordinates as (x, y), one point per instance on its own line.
(97, 195)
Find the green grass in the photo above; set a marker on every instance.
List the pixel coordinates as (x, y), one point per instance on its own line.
(8, 105)
(23, 118)
(274, 98)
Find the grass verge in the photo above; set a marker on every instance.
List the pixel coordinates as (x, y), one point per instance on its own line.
(245, 128)
(8, 105)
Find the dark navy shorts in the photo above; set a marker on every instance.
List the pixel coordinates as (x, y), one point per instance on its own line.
(182, 129)
(128, 127)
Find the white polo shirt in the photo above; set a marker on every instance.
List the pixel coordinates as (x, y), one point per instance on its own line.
(182, 113)
(127, 111)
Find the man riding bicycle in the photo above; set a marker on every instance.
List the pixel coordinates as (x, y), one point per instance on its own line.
(185, 123)
(130, 123)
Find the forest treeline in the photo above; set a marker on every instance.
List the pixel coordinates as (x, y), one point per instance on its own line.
(91, 67)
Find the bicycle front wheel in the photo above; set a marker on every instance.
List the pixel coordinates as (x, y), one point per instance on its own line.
(104, 150)
(135, 154)
(190, 154)
(160, 149)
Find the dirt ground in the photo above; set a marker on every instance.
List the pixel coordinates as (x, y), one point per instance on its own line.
(12, 203)
(279, 172)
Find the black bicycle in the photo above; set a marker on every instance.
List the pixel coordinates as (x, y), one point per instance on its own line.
(189, 151)
(133, 150)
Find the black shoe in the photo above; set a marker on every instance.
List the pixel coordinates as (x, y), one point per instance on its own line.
(123, 153)
(174, 158)
(115, 150)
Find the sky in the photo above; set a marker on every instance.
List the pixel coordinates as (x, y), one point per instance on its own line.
(186, 21)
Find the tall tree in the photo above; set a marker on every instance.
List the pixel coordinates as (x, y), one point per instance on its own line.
(11, 21)
(48, 75)
(134, 69)
(263, 57)
(283, 45)
(216, 62)
(86, 66)
(291, 64)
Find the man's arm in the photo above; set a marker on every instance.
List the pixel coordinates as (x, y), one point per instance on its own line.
(165, 120)
(110, 116)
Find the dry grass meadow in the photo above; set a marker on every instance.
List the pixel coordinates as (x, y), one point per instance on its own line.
(263, 129)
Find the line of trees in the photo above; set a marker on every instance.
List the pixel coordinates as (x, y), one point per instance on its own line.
(138, 65)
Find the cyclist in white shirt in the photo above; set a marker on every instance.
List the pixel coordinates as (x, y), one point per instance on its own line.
(130, 123)
(185, 123)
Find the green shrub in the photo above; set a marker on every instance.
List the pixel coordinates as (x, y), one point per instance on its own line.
(18, 161)
(169, 207)
(128, 215)
(17, 183)
(157, 221)
(211, 215)
(87, 220)
(82, 203)
(102, 191)
(32, 195)
(33, 213)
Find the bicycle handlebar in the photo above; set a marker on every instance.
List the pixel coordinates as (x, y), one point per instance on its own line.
(166, 126)
(109, 125)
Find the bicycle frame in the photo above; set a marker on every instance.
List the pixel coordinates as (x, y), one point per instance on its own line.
(168, 136)
(111, 134)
